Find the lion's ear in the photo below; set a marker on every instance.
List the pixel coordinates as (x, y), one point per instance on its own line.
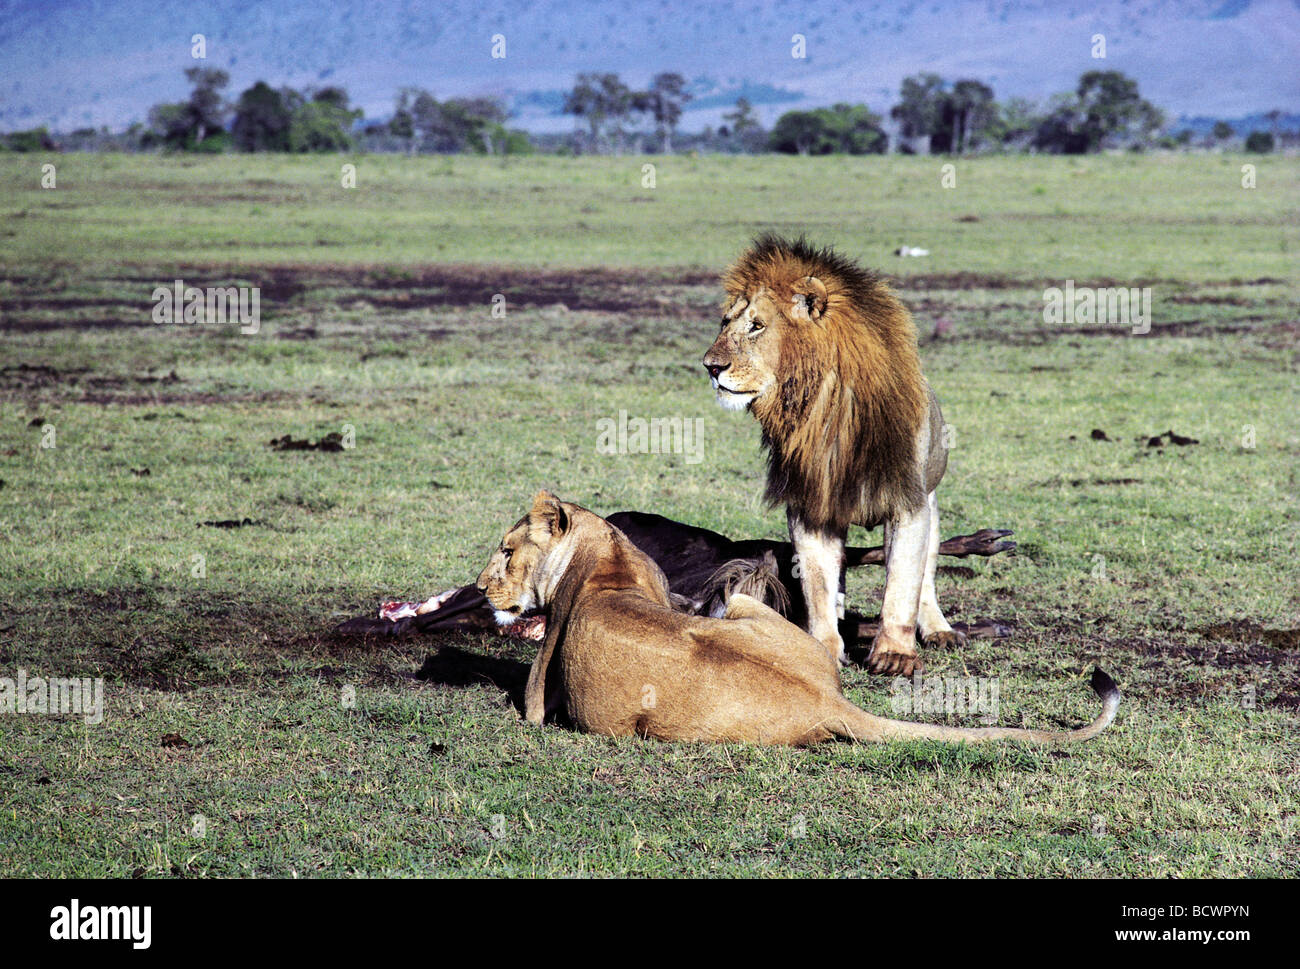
(809, 298)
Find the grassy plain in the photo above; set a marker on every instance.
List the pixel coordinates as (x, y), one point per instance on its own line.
(1173, 567)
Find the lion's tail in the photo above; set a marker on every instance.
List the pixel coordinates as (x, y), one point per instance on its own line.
(859, 725)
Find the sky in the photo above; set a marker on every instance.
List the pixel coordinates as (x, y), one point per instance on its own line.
(93, 62)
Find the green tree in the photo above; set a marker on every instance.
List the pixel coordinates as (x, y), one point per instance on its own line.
(474, 123)
(743, 128)
(603, 102)
(1260, 142)
(665, 100)
(262, 120)
(324, 123)
(741, 119)
(920, 107)
(799, 133)
(855, 129)
(402, 123)
(1111, 107)
(189, 124)
(1222, 131)
(207, 107)
(1105, 110)
(851, 129)
(973, 111)
(1014, 122)
(35, 139)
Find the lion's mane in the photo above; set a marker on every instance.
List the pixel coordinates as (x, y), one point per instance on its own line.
(841, 427)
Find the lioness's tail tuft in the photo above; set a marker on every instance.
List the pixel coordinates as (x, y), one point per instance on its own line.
(1104, 686)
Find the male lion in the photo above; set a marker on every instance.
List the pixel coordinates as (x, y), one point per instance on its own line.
(824, 356)
(620, 660)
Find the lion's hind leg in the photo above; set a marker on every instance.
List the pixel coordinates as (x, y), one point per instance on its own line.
(934, 628)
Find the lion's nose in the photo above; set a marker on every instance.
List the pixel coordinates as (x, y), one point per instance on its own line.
(715, 368)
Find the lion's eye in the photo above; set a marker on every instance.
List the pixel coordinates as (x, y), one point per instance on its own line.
(506, 552)
(755, 326)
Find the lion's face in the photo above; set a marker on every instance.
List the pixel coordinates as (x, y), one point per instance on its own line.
(745, 359)
(513, 579)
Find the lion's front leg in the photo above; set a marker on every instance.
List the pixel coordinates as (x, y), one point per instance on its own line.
(819, 559)
(907, 542)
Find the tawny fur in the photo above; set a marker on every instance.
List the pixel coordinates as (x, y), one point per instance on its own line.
(620, 660)
(841, 430)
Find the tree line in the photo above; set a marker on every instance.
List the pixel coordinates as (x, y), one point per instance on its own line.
(1105, 110)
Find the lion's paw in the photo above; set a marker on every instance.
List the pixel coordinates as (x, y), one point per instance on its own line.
(889, 660)
(946, 639)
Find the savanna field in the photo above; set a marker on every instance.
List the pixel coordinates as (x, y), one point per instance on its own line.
(294, 752)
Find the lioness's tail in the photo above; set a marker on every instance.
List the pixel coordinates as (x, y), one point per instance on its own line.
(862, 726)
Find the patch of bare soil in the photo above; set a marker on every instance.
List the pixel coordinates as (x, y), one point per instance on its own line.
(662, 292)
(25, 381)
(129, 636)
(1249, 631)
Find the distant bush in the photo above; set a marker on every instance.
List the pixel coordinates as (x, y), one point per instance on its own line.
(37, 139)
(849, 128)
(1260, 142)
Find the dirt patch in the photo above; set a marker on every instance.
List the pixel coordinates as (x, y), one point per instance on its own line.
(409, 288)
(687, 294)
(332, 441)
(1249, 631)
(26, 376)
(583, 290)
(183, 398)
(230, 523)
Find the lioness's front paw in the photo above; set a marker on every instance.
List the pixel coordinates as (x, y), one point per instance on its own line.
(893, 659)
(947, 639)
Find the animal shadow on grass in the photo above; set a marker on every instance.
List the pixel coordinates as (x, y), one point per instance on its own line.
(453, 666)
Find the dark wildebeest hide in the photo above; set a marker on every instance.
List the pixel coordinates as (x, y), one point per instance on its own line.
(703, 569)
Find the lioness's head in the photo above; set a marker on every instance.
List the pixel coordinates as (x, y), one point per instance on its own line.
(521, 574)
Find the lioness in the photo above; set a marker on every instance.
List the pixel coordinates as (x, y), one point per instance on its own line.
(824, 355)
(620, 660)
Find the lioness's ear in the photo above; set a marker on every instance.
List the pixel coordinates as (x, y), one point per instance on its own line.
(809, 298)
(548, 513)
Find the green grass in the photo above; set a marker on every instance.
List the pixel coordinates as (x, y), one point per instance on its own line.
(1181, 217)
(1174, 567)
